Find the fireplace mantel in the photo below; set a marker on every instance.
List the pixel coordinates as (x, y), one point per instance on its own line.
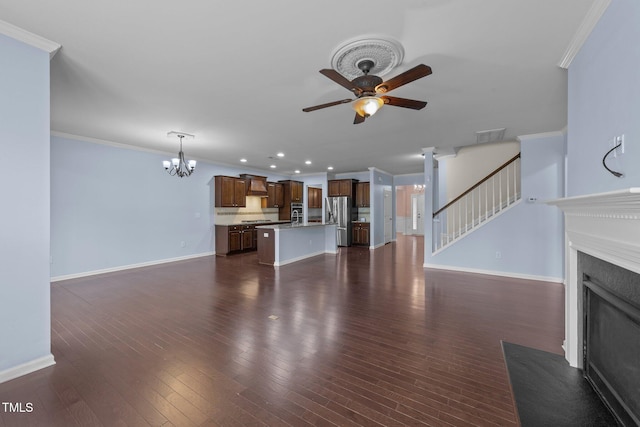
(603, 225)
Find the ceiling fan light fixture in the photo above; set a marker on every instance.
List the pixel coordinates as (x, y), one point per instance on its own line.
(367, 106)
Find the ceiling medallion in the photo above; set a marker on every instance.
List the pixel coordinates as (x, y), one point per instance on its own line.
(385, 53)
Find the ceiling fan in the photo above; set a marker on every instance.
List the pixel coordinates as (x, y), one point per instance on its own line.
(367, 86)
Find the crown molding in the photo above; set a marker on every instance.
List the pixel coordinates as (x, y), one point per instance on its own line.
(553, 134)
(588, 23)
(445, 152)
(375, 169)
(31, 39)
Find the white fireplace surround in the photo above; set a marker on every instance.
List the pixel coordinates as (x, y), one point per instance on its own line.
(606, 226)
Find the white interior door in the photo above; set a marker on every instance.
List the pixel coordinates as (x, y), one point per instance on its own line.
(417, 214)
(388, 215)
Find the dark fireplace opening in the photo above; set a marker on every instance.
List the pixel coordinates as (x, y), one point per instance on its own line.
(611, 313)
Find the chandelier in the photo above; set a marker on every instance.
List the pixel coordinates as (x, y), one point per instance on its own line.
(178, 165)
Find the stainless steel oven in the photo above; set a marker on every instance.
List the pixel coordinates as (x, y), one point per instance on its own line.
(296, 213)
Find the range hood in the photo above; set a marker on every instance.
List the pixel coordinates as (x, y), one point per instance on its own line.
(255, 185)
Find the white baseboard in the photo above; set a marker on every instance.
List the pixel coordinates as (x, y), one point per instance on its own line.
(496, 273)
(27, 368)
(128, 267)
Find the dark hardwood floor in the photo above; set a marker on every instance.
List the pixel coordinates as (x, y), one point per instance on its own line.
(365, 338)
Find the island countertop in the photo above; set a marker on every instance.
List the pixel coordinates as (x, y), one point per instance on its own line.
(290, 225)
(254, 223)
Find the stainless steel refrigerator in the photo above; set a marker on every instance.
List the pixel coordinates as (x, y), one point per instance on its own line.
(340, 211)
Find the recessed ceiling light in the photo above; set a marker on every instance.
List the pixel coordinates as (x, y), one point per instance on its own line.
(297, 171)
(330, 168)
(272, 166)
(280, 154)
(307, 162)
(243, 160)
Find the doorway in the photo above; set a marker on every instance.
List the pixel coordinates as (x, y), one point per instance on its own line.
(417, 214)
(410, 217)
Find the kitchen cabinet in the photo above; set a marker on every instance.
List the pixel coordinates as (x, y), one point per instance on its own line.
(275, 195)
(342, 187)
(296, 189)
(360, 233)
(235, 238)
(292, 191)
(314, 198)
(362, 194)
(230, 192)
(248, 237)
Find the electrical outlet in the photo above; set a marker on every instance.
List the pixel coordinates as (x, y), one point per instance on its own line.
(498, 255)
(183, 244)
(619, 140)
(616, 142)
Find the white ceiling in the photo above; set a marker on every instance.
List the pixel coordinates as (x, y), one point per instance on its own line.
(238, 73)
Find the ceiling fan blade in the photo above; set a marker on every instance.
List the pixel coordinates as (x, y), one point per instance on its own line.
(404, 102)
(408, 76)
(340, 79)
(358, 119)
(328, 104)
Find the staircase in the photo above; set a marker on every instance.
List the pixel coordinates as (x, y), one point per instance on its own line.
(484, 201)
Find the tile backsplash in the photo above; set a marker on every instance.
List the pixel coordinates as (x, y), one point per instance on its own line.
(252, 212)
(364, 214)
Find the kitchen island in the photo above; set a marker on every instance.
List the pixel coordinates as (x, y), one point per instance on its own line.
(280, 244)
(239, 237)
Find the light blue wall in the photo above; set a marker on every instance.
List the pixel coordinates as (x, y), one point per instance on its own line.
(24, 218)
(529, 237)
(429, 188)
(411, 179)
(378, 181)
(440, 186)
(604, 101)
(113, 207)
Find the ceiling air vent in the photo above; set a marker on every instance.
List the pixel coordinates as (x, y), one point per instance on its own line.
(493, 135)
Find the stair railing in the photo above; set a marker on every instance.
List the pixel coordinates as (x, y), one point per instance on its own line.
(483, 201)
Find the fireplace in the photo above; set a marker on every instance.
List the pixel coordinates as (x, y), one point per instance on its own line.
(602, 289)
(612, 335)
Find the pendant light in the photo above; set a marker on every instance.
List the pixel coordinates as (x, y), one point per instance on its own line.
(178, 166)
